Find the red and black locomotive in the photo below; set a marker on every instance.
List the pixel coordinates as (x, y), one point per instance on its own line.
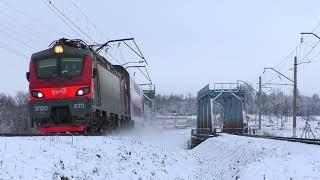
(75, 89)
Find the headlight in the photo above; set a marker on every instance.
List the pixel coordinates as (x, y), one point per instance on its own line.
(83, 91)
(58, 49)
(80, 92)
(37, 94)
(40, 95)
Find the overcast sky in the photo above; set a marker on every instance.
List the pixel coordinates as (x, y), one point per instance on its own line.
(188, 44)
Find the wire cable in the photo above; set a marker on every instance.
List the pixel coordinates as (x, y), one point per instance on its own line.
(68, 19)
(144, 74)
(97, 28)
(308, 53)
(295, 50)
(62, 19)
(13, 51)
(17, 39)
(34, 19)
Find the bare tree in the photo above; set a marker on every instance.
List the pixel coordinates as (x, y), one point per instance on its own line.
(21, 120)
(6, 109)
(14, 113)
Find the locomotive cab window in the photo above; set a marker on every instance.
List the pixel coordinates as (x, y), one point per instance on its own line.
(47, 68)
(64, 67)
(71, 66)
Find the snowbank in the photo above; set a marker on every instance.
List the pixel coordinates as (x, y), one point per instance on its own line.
(272, 125)
(109, 157)
(235, 157)
(156, 154)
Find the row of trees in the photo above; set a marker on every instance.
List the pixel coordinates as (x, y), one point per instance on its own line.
(178, 104)
(275, 103)
(279, 104)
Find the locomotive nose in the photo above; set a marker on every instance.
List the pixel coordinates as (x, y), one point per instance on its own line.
(60, 114)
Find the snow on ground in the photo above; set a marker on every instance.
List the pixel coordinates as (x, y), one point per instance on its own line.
(235, 157)
(272, 126)
(151, 153)
(132, 154)
(167, 138)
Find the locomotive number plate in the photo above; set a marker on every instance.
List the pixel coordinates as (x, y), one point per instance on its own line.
(78, 106)
(40, 108)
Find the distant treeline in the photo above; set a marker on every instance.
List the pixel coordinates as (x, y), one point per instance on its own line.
(179, 104)
(14, 110)
(275, 103)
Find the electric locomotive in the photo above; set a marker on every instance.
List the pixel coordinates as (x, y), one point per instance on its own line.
(72, 88)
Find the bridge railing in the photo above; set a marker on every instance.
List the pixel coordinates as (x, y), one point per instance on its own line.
(226, 87)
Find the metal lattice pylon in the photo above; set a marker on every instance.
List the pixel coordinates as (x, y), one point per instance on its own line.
(307, 130)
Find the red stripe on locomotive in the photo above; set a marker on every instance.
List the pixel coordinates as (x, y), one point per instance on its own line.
(60, 93)
(58, 129)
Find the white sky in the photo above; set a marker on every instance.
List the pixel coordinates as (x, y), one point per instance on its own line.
(188, 44)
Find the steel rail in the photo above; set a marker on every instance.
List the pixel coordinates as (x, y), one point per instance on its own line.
(50, 134)
(291, 139)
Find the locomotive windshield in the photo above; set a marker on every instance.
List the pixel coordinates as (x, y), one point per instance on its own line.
(47, 68)
(64, 67)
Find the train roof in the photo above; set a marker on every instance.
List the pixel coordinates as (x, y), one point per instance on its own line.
(67, 50)
(72, 47)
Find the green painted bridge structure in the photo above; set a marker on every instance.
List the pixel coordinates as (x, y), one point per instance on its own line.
(231, 97)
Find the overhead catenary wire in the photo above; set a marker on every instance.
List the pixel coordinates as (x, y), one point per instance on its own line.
(144, 74)
(14, 22)
(121, 55)
(305, 56)
(313, 59)
(142, 57)
(48, 4)
(283, 61)
(13, 51)
(295, 50)
(22, 34)
(97, 28)
(17, 39)
(147, 73)
(118, 52)
(34, 19)
(277, 76)
(109, 54)
(302, 59)
(74, 27)
(309, 52)
(139, 54)
(68, 19)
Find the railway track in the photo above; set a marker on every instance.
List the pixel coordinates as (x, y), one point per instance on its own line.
(52, 134)
(196, 139)
(291, 139)
(102, 133)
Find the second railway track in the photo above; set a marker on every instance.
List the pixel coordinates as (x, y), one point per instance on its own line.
(291, 139)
